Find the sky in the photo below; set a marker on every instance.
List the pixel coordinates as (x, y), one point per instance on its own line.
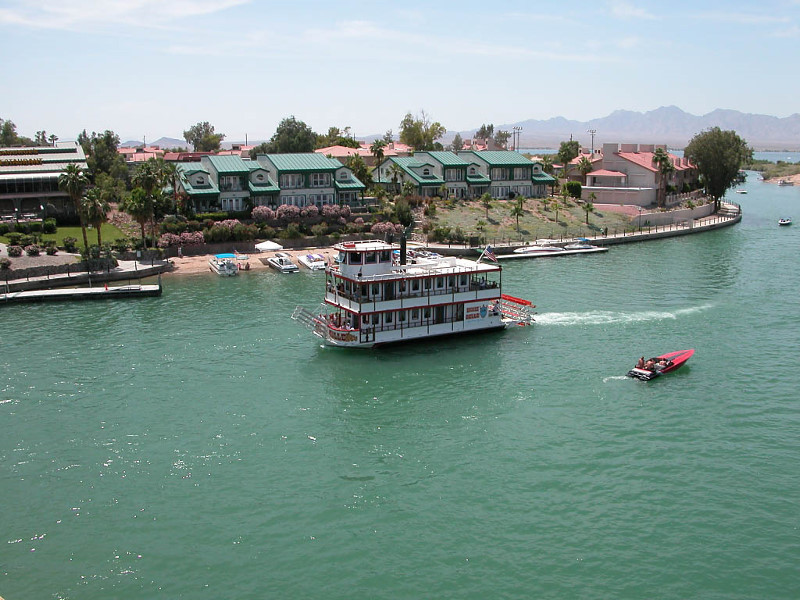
(152, 68)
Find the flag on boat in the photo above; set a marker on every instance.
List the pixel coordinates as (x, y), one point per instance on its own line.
(489, 254)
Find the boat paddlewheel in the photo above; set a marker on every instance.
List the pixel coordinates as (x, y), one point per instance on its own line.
(516, 310)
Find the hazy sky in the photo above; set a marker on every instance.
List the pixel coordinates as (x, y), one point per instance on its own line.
(155, 67)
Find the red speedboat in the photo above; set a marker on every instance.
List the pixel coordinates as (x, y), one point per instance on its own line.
(659, 365)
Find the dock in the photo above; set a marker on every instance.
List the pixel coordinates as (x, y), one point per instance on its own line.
(89, 293)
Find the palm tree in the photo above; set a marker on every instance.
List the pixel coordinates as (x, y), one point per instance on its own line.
(588, 207)
(377, 151)
(73, 181)
(396, 172)
(95, 211)
(585, 167)
(149, 176)
(664, 166)
(53, 138)
(555, 208)
(517, 211)
(139, 205)
(486, 201)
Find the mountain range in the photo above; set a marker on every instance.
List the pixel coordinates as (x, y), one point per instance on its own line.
(666, 125)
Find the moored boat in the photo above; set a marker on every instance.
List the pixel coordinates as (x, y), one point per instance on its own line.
(658, 365)
(372, 298)
(785, 221)
(312, 262)
(282, 262)
(223, 264)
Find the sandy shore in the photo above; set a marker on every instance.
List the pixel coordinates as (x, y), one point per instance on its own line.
(187, 265)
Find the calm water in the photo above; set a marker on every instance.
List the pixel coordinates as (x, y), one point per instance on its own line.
(203, 445)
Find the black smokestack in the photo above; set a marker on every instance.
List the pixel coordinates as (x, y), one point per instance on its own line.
(403, 249)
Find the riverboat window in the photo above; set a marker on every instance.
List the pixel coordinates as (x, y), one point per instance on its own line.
(376, 289)
(451, 281)
(376, 317)
(462, 280)
(426, 313)
(401, 316)
(415, 285)
(386, 256)
(364, 291)
(365, 319)
(415, 314)
(355, 258)
(370, 258)
(427, 284)
(402, 285)
(342, 257)
(439, 282)
(387, 317)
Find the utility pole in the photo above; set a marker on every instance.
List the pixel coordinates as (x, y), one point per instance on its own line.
(517, 129)
(592, 132)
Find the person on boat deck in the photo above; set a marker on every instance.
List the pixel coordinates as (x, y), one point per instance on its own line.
(640, 363)
(650, 364)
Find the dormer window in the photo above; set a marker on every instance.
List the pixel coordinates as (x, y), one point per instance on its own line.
(472, 171)
(426, 172)
(260, 177)
(200, 181)
(343, 176)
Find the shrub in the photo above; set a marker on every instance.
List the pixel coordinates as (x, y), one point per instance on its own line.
(14, 237)
(261, 214)
(35, 227)
(320, 229)
(192, 238)
(121, 245)
(70, 244)
(5, 264)
(14, 251)
(288, 213)
(168, 240)
(22, 227)
(312, 212)
(573, 188)
(292, 231)
(51, 250)
(32, 250)
(3, 228)
(265, 231)
(211, 216)
(49, 226)
(385, 227)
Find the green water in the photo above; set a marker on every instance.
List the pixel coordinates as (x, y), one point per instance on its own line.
(203, 445)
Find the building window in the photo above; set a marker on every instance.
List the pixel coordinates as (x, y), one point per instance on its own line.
(499, 173)
(522, 173)
(320, 179)
(292, 180)
(454, 175)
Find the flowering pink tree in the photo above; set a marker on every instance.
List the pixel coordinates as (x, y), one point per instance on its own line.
(261, 214)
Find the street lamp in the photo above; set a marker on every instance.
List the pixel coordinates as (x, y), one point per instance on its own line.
(640, 218)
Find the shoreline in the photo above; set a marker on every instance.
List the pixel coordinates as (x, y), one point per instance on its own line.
(193, 265)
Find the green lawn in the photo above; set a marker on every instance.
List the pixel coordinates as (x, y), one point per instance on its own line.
(108, 233)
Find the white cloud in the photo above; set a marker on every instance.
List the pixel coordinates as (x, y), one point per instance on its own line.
(94, 14)
(627, 10)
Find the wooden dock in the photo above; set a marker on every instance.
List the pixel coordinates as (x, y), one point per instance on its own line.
(90, 293)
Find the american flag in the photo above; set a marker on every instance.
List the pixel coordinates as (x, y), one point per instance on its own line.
(489, 254)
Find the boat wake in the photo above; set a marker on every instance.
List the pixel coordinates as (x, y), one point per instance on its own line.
(615, 378)
(606, 317)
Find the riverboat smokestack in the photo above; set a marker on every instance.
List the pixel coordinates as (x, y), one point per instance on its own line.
(403, 249)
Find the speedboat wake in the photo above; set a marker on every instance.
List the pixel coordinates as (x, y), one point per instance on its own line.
(606, 317)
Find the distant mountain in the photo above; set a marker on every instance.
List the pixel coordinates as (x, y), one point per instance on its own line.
(666, 125)
(162, 142)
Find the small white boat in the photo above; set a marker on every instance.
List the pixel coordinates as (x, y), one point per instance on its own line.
(537, 250)
(785, 221)
(312, 262)
(785, 182)
(282, 262)
(741, 191)
(223, 264)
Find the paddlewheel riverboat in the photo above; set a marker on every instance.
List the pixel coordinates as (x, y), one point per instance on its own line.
(375, 296)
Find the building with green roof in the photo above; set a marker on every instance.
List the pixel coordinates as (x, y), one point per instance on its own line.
(470, 174)
(311, 178)
(230, 183)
